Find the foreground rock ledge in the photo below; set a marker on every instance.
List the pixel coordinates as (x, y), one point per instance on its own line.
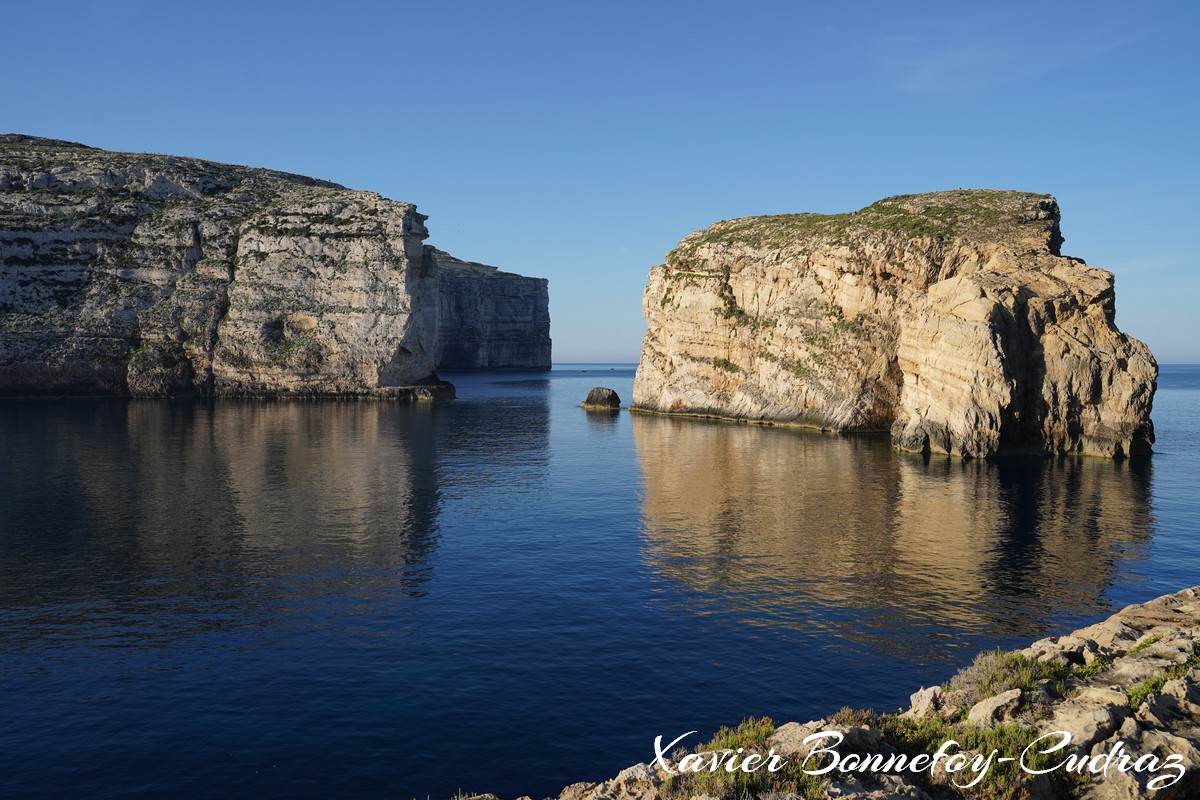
(150, 275)
(950, 319)
(1133, 678)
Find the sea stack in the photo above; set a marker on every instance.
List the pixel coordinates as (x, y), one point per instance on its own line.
(950, 319)
(137, 274)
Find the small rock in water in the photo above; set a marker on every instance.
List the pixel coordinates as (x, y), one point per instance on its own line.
(602, 399)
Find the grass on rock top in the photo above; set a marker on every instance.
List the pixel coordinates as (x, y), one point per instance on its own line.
(971, 214)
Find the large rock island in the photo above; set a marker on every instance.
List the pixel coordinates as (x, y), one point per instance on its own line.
(152, 275)
(951, 319)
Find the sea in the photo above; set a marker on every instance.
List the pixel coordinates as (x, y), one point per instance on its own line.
(505, 593)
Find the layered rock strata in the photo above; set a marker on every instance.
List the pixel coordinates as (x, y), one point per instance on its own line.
(157, 275)
(951, 320)
(490, 319)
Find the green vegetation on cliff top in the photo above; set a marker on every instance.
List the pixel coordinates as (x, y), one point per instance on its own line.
(971, 214)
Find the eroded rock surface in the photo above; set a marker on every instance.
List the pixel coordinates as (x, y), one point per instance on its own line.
(950, 319)
(155, 275)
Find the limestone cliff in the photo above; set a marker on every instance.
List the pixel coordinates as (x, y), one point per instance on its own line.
(490, 319)
(153, 275)
(951, 319)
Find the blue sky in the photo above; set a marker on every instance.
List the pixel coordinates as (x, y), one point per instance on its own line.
(580, 142)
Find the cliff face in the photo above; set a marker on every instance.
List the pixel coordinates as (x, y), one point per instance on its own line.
(950, 319)
(490, 319)
(152, 275)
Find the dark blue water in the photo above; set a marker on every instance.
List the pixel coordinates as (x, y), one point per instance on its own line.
(505, 593)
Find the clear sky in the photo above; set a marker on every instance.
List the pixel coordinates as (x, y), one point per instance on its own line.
(581, 141)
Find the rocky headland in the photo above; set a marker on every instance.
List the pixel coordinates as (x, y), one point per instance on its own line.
(950, 319)
(1128, 686)
(150, 275)
(489, 319)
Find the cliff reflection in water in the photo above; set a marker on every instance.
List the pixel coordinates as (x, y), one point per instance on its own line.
(845, 536)
(177, 514)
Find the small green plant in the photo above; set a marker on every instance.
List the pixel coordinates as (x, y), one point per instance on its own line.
(994, 671)
(725, 364)
(853, 327)
(751, 733)
(915, 736)
(304, 347)
(1098, 665)
(1145, 643)
(750, 737)
(1145, 690)
(1152, 686)
(909, 737)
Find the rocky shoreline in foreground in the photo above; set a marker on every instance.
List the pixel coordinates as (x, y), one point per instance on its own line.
(1126, 690)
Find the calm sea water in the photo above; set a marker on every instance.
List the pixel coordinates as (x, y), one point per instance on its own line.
(505, 593)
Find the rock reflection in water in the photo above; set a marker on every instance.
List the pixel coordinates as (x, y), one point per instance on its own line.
(887, 552)
(175, 514)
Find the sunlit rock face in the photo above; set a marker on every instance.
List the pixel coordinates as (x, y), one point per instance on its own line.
(156, 275)
(950, 319)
